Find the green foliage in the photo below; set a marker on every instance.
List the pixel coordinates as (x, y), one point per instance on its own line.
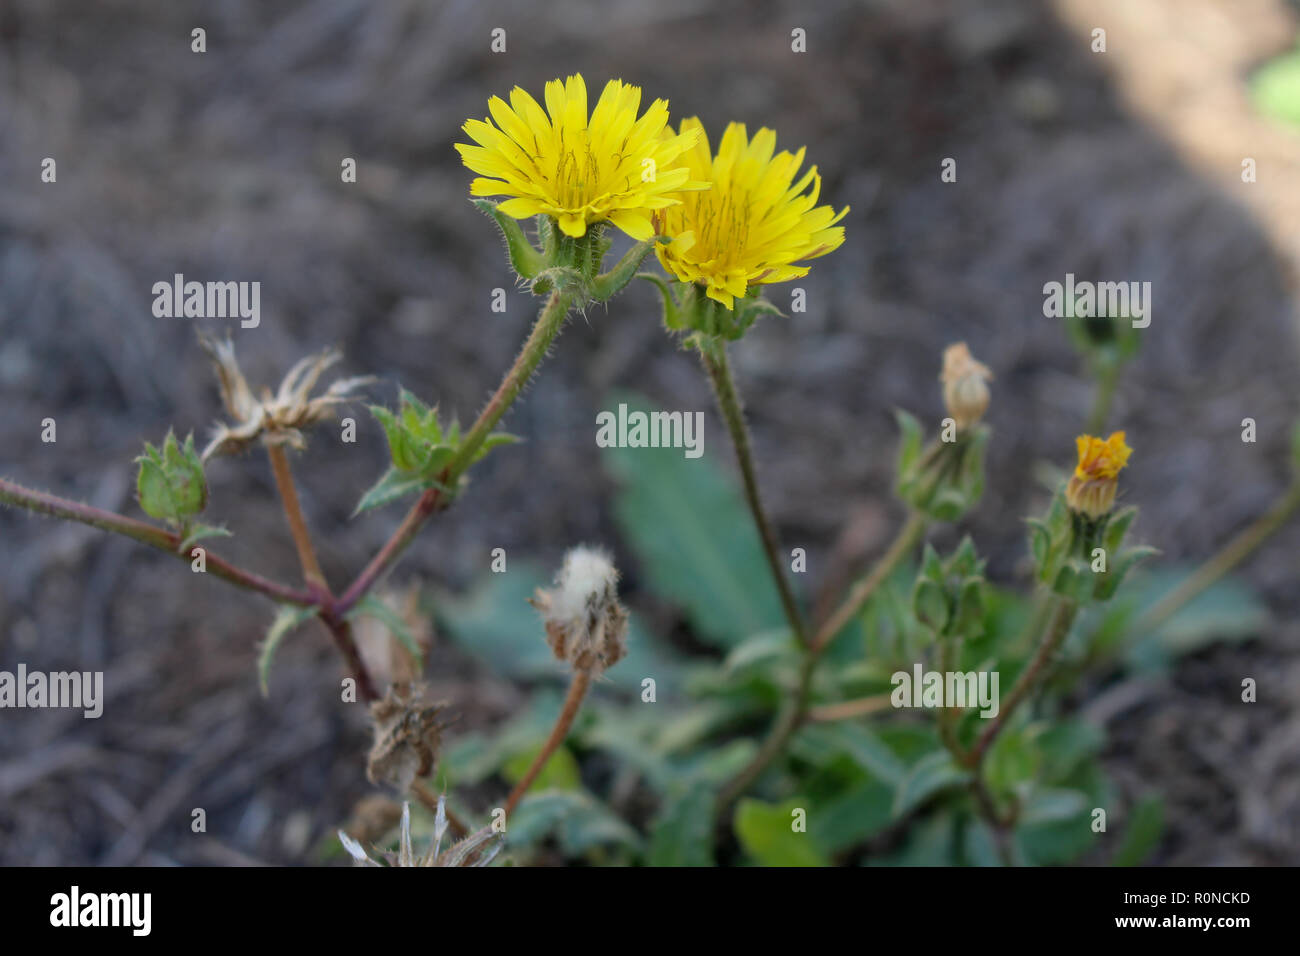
(944, 479)
(287, 619)
(171, 485)
(767, 833)
(1146, 824)
(694, 538)
(422, 451)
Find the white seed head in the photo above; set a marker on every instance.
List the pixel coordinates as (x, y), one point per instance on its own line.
(585, 624)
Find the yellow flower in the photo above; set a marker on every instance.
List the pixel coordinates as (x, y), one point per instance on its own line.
(611, 166)
(754, 224)
(1095, 480)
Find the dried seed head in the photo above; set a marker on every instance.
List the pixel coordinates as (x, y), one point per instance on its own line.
(407, 735)
(274, 418)
(965, 394)
(478, 849)
(585, 624)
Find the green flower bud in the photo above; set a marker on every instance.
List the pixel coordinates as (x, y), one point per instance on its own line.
(171, 485)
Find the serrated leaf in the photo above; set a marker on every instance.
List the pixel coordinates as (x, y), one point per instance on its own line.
(200, 531)
(287, 618)
(392, 486)
(373, 606)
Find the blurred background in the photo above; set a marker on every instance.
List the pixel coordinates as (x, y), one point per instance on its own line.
(1123, 165)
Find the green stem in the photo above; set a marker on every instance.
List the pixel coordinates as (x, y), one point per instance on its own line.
(714, 357)
(547, 327)
(1232, 554)
(796, 709)
(1108, 373)
(1058, 628)
(906, 539)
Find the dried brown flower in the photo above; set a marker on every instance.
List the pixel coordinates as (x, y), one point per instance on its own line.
(407, 735)
(279, 417)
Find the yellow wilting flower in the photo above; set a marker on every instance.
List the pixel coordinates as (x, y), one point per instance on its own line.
(581, 170)
(754, 224)
(1095, 480)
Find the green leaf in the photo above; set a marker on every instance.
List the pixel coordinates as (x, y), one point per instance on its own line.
(392, 486)
(682, 833)
(857, 742)
(931, 774)
(695, 539)
(852, 816)
(1049, 806)
(1142, 835)
(1227, 611)
(198, 532)
(766, 832)
(287, 618)
(579, 822)
(560, 773)
(372, 606)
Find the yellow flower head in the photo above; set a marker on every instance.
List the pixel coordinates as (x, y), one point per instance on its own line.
(1101, 459)
(755, 222)
(581, 170)
(1095, 480)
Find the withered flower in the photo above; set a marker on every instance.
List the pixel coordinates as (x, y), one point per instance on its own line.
(407, 735)
(585, 623)
(276, 418)
(478, 849)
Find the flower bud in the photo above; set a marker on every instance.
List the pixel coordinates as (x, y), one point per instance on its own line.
(1092, 487)
(585, 624)
(171, 484)
(965, 394)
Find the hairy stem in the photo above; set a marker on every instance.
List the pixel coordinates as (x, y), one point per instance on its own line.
(787, 722)
(902, 545)
(572, 704)
(714, 357)
(339, 628)
(546, 328)
(1232, 554)
(155, 537)
(311, 571)
(1107, 375)
(796, 710)
(1058, 628)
